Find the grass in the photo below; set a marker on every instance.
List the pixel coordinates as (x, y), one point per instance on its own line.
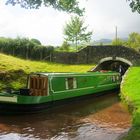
(130, 90)
(13, 71)
(131, 85)
(9, 63)
(133, 134)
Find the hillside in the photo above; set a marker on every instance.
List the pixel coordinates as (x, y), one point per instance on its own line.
(106, 41)
(103, 41)
(13, 71)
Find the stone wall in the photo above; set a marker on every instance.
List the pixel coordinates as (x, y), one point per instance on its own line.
(65, 57)
(93, 54)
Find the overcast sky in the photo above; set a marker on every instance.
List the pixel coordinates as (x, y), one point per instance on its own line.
(46, 24)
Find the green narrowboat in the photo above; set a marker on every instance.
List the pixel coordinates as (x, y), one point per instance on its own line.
(44, 89)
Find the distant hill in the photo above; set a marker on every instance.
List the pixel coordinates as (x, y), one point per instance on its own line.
(102, 41)
(106, 41)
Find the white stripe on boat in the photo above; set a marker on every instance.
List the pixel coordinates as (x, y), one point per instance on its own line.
(8, 99)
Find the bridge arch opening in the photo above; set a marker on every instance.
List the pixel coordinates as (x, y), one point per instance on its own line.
(113, 64)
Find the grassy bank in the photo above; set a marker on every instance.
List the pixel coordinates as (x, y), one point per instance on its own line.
(131, 95)
(13, 71)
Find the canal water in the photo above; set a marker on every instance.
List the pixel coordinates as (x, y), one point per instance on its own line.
(100, 118)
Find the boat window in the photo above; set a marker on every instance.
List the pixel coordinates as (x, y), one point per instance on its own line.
(114, 78)
(71, 83)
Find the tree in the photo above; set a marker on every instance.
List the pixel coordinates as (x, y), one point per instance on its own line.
(65, 46)
(26, 48)
(11, 44)
(135, 5)
(134, 41)
(117, 42)
(35, 41)
(70, 6)
(75, 31)
(23, 47)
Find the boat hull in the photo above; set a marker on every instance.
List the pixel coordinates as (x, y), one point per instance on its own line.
(10, 108)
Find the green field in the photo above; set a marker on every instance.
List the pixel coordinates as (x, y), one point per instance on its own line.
(13, 71)
(130, 90)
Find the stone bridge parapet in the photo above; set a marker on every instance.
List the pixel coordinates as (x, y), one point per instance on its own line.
(93, 54)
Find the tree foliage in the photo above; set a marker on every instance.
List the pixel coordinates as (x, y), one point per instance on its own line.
(134, 41)
(70, 6)
(76, 32)
(65, 46)
(117, 42)
(25, 48)
(135, 5)
(36, 41)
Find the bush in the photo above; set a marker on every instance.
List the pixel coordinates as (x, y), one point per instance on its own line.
(25, 48)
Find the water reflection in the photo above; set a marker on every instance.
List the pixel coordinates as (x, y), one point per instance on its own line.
(98, 118)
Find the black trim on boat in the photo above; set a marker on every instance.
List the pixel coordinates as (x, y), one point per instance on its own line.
(9, 108)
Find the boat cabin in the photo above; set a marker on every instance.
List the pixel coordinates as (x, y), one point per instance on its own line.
(44, 84)
(37, 85)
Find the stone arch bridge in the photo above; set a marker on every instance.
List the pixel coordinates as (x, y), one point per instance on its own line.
(107, 57)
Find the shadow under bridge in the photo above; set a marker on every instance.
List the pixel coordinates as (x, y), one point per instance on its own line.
(117, 64)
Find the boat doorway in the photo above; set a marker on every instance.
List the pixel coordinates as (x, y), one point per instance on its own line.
(38, 85)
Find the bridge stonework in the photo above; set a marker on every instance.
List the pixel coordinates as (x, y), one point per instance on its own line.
(94, 54)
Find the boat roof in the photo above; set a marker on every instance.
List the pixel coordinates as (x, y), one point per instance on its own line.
(72, 73)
